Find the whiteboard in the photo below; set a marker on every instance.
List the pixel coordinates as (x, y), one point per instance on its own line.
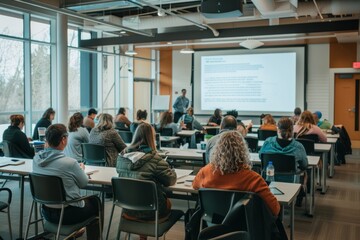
(160, 102)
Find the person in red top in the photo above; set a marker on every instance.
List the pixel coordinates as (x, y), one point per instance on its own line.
(230, 168)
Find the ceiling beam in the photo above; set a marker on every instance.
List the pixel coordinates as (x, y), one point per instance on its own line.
(347, 25)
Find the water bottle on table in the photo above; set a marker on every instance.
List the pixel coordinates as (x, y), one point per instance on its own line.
(270, 172)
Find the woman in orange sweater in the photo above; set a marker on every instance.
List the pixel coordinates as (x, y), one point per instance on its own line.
(269, 123)
(230, 168)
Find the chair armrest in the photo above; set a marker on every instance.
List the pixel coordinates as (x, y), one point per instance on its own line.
(9, 194)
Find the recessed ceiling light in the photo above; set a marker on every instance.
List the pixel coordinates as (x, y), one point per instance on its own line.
(169, 43)
(122, 31)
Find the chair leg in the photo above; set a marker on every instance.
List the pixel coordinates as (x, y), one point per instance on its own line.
(29, 220)
(111, 216)
(9, 221)
(60, 223)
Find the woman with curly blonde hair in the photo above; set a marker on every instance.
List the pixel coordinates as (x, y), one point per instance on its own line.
(230, 168)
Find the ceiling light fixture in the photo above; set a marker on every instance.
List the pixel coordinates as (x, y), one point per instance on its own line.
(187, 50)
(161, 12)
(130, 53)
(251, 43)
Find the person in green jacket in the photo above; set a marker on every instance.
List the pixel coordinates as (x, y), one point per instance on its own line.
(141, 161)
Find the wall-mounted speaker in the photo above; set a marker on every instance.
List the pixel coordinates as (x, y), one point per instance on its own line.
(221, 8)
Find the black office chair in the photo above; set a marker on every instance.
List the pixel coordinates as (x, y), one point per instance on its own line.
(121, 126)
(264, 134)
(212, 131)
(5, 207)
(313, 137)
(50, 190)
(308, 144)
(252, 143)
(242, 214)
(285, 166)
(126, 136)
(145, 198)
(12, 150)
(166, 132)
(94, 154)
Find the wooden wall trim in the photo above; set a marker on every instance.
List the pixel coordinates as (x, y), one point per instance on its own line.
(166, 74)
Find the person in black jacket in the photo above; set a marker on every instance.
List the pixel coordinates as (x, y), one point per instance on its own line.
(45, 122)
(16, 137)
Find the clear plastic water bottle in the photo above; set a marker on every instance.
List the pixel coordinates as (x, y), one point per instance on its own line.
(270, 172)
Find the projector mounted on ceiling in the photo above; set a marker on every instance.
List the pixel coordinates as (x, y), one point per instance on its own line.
(221, 9)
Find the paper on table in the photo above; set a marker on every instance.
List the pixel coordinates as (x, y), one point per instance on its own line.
(246, 122)
(182, 172)
(6, 162)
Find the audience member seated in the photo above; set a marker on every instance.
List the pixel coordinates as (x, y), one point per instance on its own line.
(140, 160)
(121, 117)
(89, 122)
(268, 123)
(45, 122)
(322, 124)
(105, 134)
(228, 123)
(190, 121)
(295, 118)
(215, 119)
(52, 161)
(240, 125)
(77, 136)
(306, 125)
(230, 168)
(141, 116)
(166, 121)
(17, 137)
(285, 144)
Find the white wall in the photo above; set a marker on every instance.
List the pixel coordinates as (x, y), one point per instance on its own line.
(181, 73)
(318, 86)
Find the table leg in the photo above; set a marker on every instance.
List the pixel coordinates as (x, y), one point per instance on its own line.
(324, 173)
(312, 191)
(332, 160)
(22, 180)
(292, 222)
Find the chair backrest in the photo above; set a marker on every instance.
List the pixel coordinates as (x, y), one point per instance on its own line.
(308, 144)
(47, 189)
(126, 136)
(212, 131)
(166, 132)
(121, 126)
(244, 211)
(216, 203)
(142, 197)
(12, 150)
(313, 137)
(252, 144)
(264, 134)
(94, 154)
(285, 165)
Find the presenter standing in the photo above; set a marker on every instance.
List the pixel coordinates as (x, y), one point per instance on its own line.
(180, 105)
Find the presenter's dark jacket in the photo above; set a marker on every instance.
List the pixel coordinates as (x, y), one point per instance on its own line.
(216, 120)
(14, 135)
(146, 164)
(43, 122)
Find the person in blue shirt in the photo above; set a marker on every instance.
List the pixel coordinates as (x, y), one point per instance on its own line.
(190, 121)
(180, 105)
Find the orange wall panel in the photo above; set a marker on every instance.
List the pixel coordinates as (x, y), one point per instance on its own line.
(166, 73)
(342, 55)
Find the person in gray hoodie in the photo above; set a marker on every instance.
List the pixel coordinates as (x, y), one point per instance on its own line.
(141, 161)
(52, 161)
